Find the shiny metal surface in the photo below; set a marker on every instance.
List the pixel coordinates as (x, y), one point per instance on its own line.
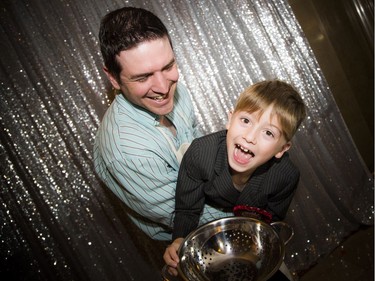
(234, 248)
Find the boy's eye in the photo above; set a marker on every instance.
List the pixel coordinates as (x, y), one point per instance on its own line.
(245, 120)
(270, 134)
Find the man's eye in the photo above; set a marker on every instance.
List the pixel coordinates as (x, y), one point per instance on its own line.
(142, 79)
(169, 66)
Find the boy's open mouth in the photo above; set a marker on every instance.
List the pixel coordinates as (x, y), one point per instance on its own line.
(243, 150)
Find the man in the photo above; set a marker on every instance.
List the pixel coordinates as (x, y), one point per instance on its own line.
(149, 125)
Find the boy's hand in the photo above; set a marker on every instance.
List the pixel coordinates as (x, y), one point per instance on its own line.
(171, 257)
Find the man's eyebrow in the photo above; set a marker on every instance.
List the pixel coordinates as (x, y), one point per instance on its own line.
(146, 74)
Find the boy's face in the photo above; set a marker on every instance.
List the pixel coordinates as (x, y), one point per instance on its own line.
(149, 75)
(252, 140)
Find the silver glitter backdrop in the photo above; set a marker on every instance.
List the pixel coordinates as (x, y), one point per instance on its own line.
(58, 222)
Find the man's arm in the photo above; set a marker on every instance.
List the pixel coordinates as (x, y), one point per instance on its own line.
(146, 185)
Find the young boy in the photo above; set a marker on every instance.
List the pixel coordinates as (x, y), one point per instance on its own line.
(247, 164)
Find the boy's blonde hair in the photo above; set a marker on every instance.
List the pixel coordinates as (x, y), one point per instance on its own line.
(286, 101)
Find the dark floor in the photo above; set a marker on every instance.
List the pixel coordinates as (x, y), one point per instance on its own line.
(353, 260)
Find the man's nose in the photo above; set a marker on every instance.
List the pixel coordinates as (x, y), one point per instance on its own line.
(160, 83)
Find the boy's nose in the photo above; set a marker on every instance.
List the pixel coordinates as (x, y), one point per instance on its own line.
(250, 136)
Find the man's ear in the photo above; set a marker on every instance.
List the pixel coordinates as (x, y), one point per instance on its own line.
(230, 113)
(284, 148)
(112, 79)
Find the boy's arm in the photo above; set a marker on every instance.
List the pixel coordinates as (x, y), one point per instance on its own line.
(278, 204)
(190, 198)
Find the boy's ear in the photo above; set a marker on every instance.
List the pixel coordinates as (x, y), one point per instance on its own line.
(284, 148)
(112, 79)
(229, 117)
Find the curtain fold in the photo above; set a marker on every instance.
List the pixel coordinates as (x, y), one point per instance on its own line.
(58, 221)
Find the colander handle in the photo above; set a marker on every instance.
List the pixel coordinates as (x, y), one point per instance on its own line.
(284, 230)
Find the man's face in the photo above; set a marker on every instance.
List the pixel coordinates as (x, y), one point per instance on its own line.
(253, 139)
(149, 75)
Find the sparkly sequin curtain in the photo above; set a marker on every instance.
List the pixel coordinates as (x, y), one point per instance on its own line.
(58, 222)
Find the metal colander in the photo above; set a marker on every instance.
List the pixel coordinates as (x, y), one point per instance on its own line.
(231, 249)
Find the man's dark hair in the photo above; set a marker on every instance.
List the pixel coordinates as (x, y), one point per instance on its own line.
(124, 29)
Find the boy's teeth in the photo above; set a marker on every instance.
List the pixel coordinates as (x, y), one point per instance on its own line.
(242, 148)
(245, 150)
(158, 98)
